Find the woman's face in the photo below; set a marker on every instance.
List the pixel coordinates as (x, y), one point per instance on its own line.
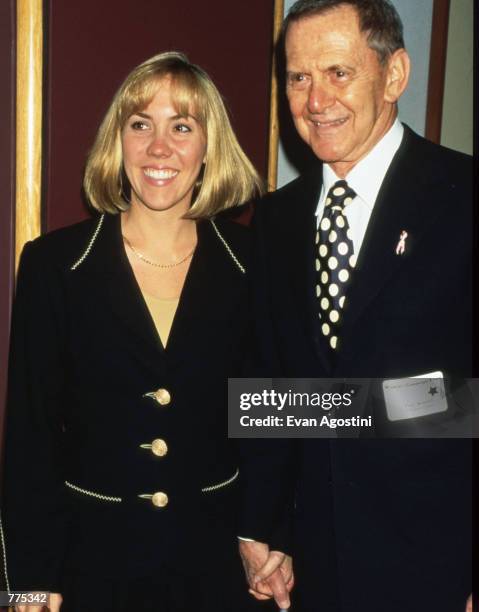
(162, 154)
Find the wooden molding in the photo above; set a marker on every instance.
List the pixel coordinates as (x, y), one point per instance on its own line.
(437, 69)
(28, 122)
(273, 112)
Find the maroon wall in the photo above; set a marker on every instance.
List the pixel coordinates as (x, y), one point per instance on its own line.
(7, 178)
(93, 45)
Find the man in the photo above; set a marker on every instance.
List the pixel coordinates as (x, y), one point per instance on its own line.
(362, 269)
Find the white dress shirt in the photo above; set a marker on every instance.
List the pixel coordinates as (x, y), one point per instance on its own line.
(366, 179)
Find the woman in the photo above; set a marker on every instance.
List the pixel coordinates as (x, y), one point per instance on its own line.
(120, 485)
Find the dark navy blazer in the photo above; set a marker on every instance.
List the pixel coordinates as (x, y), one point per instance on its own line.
(85, 352)
(381, 524)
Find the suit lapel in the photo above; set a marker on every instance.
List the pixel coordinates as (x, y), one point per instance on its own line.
(196, 296)
(401, 206)
(124, 294)
(210, 284)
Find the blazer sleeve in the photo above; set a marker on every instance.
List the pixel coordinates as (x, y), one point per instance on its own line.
(34, 501)
(267, 466)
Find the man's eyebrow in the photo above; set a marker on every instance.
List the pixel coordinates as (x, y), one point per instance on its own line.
(335, 67)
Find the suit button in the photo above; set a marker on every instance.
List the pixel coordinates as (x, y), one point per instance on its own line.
(159, 447)
(160, 499)
(163, 397)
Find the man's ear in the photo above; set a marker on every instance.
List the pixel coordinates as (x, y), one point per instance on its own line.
(397, 77)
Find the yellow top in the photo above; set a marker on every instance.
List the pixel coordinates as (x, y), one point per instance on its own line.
(163, 312)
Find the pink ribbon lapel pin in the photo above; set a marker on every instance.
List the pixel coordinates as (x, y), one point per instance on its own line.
(401, 245)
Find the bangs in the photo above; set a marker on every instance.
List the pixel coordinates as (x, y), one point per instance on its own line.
(187, 96)
(135, 97)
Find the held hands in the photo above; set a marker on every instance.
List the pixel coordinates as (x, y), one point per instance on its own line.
(53, 606)
(269, 573)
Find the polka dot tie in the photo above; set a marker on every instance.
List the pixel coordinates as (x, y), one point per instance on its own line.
(335, 260)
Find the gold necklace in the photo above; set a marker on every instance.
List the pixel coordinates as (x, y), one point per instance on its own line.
(154, 263)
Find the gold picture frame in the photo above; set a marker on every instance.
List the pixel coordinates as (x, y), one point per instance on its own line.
(273, 112)
(29, 100)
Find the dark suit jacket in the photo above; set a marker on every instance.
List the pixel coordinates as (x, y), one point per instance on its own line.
(380, 524)
(84, 353)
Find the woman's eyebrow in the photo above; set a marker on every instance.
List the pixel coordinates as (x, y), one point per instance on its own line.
(143, 115)
(172, 118)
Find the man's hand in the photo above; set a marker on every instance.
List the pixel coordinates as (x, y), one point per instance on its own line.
(53, 606)
(469, 604)
(269, 573)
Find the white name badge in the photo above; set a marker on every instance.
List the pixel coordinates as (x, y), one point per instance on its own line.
(417, 396)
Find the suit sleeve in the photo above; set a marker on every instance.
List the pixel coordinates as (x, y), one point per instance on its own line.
(33, 503)
(267, 466)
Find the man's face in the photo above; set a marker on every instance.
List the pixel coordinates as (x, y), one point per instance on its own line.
(336, 87)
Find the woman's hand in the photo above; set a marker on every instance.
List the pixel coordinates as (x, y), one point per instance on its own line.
(53, 606)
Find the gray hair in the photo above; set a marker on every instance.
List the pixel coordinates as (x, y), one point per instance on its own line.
(378, 18)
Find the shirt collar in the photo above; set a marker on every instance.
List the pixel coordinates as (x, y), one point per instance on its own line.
(367, 175)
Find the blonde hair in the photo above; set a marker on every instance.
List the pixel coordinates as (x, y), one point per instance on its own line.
(228, 177)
